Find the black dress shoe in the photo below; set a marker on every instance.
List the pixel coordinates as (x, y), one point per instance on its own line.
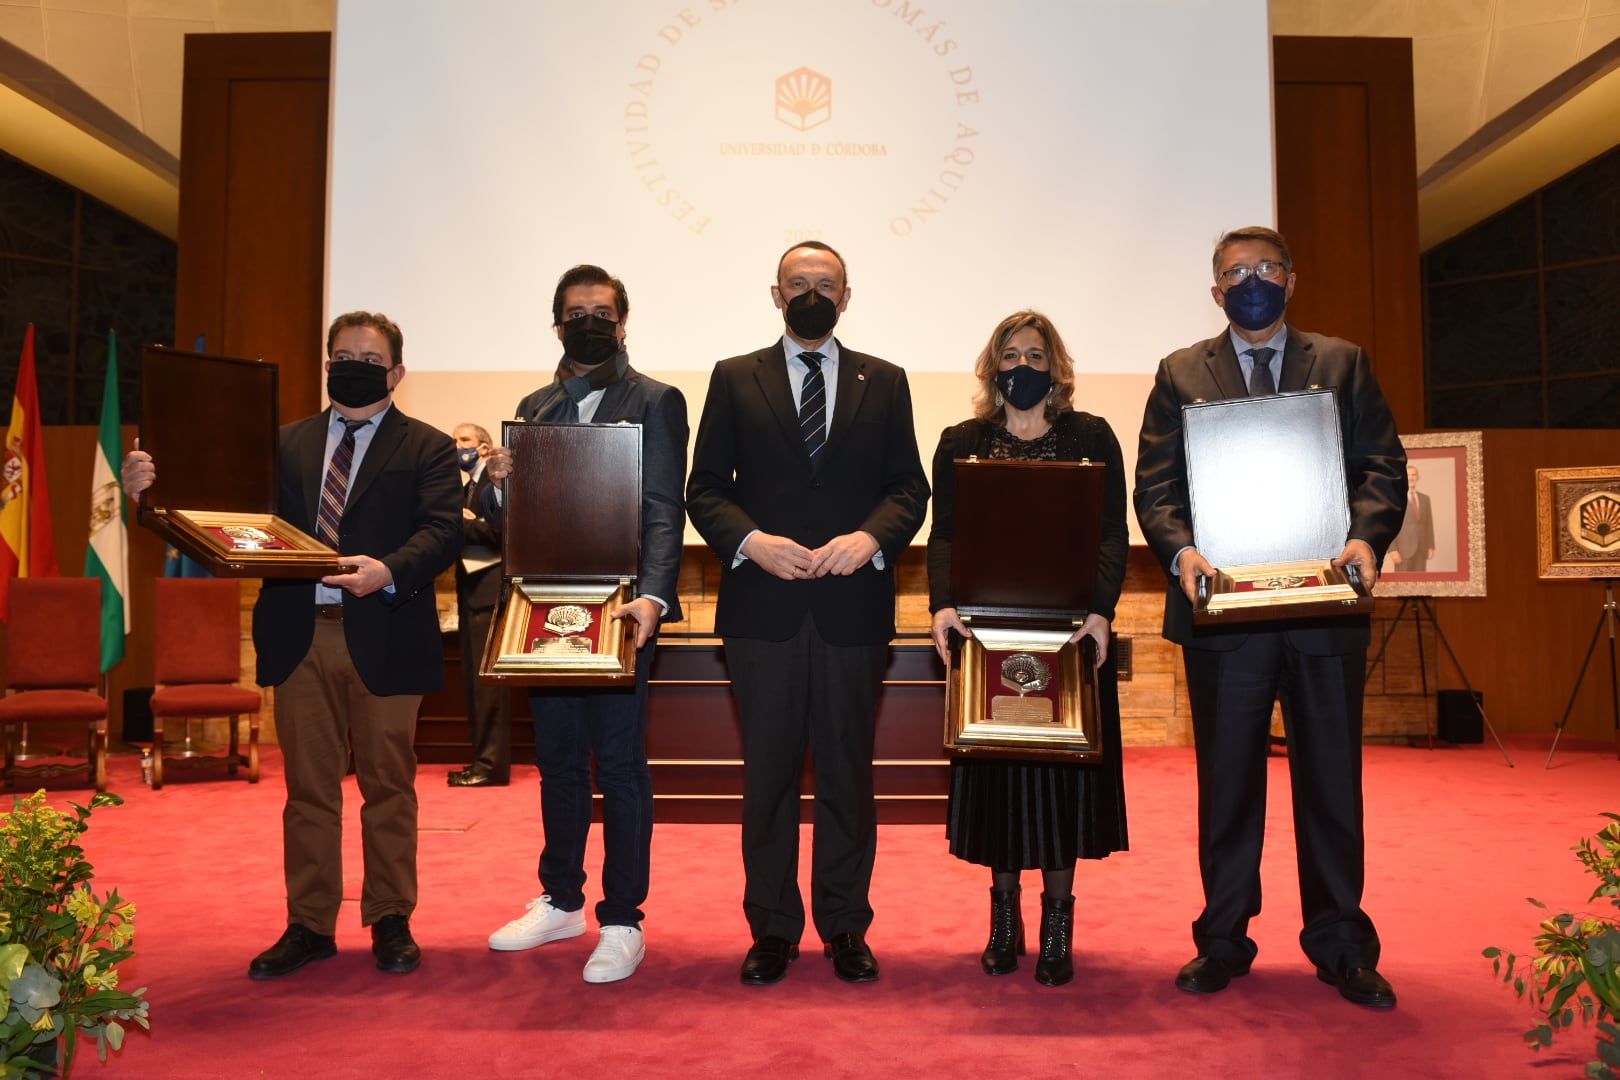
(1362, 985)
(474, 777)
(296, 947)
(852, 960)
(393, 946)
(767, 960)
(1207, 975)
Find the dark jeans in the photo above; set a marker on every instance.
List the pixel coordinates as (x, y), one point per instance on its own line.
(570, 728)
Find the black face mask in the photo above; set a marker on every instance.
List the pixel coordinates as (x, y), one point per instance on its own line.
(1023, 386)
(589, 340)
(811, 316)
(355, 383)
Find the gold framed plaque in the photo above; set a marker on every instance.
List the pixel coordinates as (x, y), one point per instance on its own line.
(1017, 692)
(252, 545)
(561, 633)
(220, 508)
(1578, 522)
(1309, 587)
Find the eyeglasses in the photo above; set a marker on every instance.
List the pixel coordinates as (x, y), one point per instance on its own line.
(1269, 271)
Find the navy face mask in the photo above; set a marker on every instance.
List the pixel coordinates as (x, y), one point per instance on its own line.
(467, 458)
(1256, 303)
(1023, 386)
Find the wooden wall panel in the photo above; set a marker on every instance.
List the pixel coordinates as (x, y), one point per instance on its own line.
(1347, 201)
(253, 204)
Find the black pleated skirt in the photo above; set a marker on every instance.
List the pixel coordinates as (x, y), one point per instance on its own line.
(1017, 815)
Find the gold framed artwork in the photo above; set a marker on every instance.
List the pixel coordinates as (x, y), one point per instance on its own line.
(561, 633)
(1440, 549)
(1018, 692)
(1578, 522)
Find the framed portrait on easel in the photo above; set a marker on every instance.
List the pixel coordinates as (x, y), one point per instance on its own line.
(1440, 550)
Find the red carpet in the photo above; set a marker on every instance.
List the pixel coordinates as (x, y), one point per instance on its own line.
(1457, 841)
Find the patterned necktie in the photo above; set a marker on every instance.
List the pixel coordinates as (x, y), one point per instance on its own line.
(813, 407)
(335, 491)
(1260, 381)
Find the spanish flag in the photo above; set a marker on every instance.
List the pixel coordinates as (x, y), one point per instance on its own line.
(27, 545)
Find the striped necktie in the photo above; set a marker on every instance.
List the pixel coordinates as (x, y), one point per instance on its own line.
(813, 407)
(1261, 383)
(335, 491)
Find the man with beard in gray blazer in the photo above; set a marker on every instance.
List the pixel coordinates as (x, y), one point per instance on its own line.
(595, 383)
(1315, 666)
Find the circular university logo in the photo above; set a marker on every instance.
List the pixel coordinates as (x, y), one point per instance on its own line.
(1594, 521)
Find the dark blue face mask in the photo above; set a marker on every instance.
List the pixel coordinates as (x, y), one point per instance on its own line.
(468, 458)
(1256, 303)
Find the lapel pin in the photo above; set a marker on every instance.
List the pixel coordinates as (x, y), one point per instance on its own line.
(861, 377)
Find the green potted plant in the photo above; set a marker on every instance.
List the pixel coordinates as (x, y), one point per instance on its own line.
(60, 944)
(1575, 973)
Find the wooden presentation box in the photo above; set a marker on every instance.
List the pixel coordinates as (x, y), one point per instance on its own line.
(1270, 508)
(211, 425)
(1026, 536)
(571, 545)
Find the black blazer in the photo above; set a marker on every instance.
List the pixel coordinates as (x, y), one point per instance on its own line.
(660, 409)
(1374, 464)
(482, 588)
(404, 508)
(750, 471)
(1080, 436)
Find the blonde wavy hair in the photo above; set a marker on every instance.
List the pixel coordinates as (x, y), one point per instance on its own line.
(987, 405)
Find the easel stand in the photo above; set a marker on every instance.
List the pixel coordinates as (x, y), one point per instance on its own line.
(1606, 618)
(1423, 610)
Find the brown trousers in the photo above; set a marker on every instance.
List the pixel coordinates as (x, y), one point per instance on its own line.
(321, 711)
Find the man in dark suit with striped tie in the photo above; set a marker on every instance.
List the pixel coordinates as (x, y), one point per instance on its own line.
(351, 655)
(807, 483)
(1315, 666)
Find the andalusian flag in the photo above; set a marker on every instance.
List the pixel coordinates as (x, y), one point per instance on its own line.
(27, 545)
(108, 555)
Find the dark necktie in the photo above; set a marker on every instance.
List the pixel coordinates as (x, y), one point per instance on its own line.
(813, 407)
(336, 488)
(1260, 381)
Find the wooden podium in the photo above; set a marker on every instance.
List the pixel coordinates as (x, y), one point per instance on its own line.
(1270, 508)
(210, 424)
(571, 547)
(1023, 560)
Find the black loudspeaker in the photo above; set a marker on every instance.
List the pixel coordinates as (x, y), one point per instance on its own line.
(138, 714)
(1460, 720)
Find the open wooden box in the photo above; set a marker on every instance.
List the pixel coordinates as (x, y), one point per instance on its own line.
(211, 425)
(1026, 537)
(571, 546)
(1270, 508)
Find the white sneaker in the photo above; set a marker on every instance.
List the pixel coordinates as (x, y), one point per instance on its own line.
(536, 926)
(618, 953)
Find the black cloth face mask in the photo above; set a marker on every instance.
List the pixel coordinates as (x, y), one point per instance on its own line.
(811, 316)
(589, 340)
(355, 383)
(1023, 386)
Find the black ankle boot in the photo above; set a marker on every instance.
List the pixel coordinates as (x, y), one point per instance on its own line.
(1006, 933)
(1055, 968)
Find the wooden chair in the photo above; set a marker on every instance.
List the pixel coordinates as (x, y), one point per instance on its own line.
(53, 672)
(197, 665)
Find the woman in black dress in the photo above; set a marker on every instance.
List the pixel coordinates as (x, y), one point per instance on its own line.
(1012, 815)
